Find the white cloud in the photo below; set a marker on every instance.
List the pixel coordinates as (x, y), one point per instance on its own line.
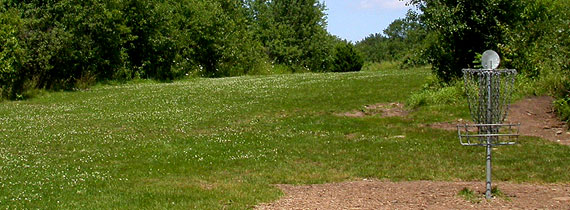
(383, 4)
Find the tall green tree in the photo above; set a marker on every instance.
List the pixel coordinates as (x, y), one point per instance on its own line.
(464, 28)
(294, 32)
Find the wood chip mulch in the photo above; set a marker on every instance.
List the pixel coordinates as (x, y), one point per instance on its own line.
(375, 194)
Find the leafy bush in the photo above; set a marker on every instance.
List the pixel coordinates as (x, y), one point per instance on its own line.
(11, 51)
(437, 93)
(562, 107)
(346, 58)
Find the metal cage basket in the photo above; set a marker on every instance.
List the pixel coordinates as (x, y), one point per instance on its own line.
(489, 93)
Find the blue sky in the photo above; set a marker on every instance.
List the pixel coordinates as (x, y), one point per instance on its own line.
(355, 19)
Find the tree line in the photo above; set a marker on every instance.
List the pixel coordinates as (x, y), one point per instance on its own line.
(67, 44)
(403, 41)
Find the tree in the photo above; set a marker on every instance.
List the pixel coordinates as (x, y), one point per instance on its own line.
(11, 52)
(294, 33)
(464, 28)
(373, 48)
(400, 41)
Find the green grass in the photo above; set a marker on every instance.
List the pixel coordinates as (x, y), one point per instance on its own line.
(469, 195)
(499, 194)
(473, 197)
(223, 143)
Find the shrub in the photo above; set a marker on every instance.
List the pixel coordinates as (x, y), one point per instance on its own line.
(437, 93)
(346, 58)
(562, 107)
(11, 51)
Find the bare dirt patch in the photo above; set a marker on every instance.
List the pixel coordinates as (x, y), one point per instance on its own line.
(374, 194)
(536, 116)
(384, 109)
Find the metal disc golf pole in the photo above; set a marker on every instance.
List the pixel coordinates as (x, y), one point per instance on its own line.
(488, 192)
(489, 143)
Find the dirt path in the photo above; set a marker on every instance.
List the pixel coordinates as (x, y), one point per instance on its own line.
(374, 194)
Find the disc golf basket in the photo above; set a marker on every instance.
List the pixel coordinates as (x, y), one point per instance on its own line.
(489, 92)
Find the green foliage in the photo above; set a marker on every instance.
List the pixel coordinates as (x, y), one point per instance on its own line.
(386, 65)
(346, 58)
(434, 92)
(293, 33)
(63, 41)
(11, 52)
(403, 40)
(469, 195)
(67, 45)
(562, 106)
(266, 68)
(541, 45)
(464, 28)
(219, 39)
(153, 48)
(541, 49)
(496, 192)
(373, 47)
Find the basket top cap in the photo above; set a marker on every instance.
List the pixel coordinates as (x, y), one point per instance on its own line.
(490, 59)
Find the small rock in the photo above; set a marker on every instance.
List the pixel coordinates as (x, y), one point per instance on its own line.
(558, 132)
(546, 127)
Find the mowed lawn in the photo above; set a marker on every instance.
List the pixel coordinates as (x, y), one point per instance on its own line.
(223, 143)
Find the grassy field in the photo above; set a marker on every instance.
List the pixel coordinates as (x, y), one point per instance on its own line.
(222, 143)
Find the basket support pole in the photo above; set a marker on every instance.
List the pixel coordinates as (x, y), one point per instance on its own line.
(489, 130)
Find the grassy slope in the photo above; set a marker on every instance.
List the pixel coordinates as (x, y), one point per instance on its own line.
(214, 143)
